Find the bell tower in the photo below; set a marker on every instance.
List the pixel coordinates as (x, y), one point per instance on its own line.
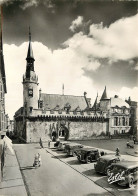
(30, 82)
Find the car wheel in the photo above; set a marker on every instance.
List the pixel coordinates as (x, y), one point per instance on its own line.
(88, 159)
(130, 184)
(107, 172)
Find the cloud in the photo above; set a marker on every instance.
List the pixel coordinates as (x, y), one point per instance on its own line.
(116, 42)
(29, 3)
(24, 4)
(76, 23)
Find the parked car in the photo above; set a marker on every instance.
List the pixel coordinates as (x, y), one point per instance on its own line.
(71, 148)
(56, 143)
(87, 155)
(104, 161)
(124, 173)
(61, 145)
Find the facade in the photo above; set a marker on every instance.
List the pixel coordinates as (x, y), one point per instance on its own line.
(66, 116)
(3, 91)
(118, 112)
(133, 117)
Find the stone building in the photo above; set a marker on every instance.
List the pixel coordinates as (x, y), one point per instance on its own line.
(118, 112)
(3, 91)
(133, 117)
(65, 116)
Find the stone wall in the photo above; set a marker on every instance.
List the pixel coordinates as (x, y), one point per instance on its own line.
(87, 130)
(77, 130)
(40, 129)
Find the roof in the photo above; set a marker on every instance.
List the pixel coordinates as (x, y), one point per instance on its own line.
(56, 101)
(104, 95)
(127, 164)
(89, 149)
(30, 51)
(118, 102)
(108, 157)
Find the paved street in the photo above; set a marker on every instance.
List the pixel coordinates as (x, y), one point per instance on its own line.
(54, 177)
(62, 175)
(110, 144)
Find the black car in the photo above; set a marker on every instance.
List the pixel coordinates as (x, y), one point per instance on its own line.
(104, 161)
(71, 148)
(124, 173)
(87, 155)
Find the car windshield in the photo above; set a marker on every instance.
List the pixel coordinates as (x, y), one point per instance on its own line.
(102, 160)
(118, 168)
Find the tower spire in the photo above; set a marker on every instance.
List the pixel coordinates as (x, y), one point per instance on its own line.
(29, 34)
(30, 57)
(30, 50)
(104, 95)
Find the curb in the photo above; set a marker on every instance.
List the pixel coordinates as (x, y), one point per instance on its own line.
(23, 177)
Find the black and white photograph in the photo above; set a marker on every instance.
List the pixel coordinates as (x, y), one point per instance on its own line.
(68, 98)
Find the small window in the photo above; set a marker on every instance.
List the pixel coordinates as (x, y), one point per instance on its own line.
(30, 92)
(31, 108)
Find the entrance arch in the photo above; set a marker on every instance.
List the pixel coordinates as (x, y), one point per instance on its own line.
(63, 132)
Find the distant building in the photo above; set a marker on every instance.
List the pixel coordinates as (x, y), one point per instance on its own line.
(118, 112)
(66, 116)
(133, 117)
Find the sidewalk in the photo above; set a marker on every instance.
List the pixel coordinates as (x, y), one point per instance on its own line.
(12, 183)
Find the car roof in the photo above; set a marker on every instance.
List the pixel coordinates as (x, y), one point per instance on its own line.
(72, 144)
(88, 149)
(127, 164)
(108, 157)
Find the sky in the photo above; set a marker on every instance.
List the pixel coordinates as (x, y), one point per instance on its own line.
(84, 45)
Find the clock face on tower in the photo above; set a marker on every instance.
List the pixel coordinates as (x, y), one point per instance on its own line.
(30, 92)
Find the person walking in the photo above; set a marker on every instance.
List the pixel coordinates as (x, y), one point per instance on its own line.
(117, 152)
(39, 159)
(41, 144)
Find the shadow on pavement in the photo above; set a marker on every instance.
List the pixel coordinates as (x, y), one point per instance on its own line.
(74, 162)
(91, 172)
(27, 168)
(60, 157)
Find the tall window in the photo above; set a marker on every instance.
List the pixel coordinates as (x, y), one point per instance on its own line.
(123, 121)
(115, 121)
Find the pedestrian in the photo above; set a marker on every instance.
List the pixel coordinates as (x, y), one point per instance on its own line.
(117, 152)
(39, 159)
(41, 144)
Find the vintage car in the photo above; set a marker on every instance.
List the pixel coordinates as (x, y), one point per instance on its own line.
(124, 173)
(56, 144)
(71, 148)
(87, 155)
(104, 161)
(61, 145)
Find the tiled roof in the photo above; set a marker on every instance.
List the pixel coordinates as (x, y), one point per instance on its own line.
(54, 101)
(118, 102)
